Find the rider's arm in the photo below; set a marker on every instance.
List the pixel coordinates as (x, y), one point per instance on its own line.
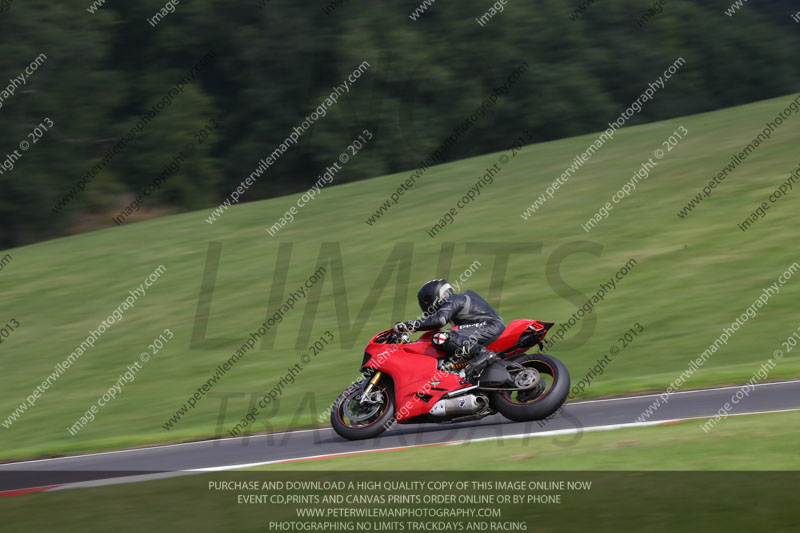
(440, 318)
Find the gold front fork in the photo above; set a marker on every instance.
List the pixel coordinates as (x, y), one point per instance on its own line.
(372, 382)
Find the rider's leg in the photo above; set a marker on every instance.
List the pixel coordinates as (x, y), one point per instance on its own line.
(481, 356)
(468, 344)
(479, 362)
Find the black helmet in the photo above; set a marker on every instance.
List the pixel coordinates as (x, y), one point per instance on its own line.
(432, 295)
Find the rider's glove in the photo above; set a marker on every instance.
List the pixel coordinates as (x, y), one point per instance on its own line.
(402, 327)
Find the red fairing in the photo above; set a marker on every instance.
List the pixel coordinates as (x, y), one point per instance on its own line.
(418, 384)
(413, 367)
(511, 335)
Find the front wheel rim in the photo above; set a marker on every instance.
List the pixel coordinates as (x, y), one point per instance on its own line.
(354, 415)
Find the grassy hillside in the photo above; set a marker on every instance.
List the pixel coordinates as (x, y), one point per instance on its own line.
(694, 276)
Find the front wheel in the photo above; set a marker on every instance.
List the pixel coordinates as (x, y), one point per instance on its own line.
(355, 419)
(541, 401)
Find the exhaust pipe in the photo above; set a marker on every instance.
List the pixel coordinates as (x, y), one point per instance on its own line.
(459, 406)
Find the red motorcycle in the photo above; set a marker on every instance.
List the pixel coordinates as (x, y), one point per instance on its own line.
(412, 382)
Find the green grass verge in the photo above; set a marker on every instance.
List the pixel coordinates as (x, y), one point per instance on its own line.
(693, 278)
(764, 446)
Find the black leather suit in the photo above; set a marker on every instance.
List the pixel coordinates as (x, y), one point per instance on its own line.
(478, 324)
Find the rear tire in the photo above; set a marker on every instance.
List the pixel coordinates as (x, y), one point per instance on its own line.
(374, 424)
(522, 408)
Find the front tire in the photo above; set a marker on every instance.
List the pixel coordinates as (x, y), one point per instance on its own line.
(545, 399)
(355, 420)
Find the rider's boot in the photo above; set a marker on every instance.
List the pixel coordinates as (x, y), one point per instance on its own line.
(483, 359)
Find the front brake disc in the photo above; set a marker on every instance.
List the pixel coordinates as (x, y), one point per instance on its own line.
(350, 409)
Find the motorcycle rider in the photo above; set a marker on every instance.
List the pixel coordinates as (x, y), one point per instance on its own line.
(478, 324)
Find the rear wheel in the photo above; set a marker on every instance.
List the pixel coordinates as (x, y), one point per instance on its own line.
(355, 419)
(541, 401)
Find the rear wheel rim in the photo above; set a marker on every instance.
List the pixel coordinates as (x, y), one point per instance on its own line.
(547, 376)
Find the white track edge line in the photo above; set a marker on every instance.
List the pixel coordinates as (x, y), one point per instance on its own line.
(556, 432)
(134, 450)
(693, 391)
(550, 433)
(571, 431)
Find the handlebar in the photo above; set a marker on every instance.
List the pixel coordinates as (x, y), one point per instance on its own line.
(390, 337)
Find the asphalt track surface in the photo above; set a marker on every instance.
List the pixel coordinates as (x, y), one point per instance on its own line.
(224, 454)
